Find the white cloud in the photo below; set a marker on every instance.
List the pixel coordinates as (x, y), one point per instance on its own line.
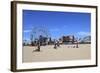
(26, 31)
(83, 33)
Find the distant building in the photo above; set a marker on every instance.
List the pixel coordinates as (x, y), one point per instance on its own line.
(67, 39)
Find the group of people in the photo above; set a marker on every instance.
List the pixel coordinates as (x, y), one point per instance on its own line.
(56, 45)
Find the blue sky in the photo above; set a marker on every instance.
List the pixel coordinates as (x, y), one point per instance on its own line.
(57, 23)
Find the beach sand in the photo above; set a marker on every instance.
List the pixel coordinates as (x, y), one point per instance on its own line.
(62, 53)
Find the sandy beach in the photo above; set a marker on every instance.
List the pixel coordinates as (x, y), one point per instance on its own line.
(48, 53)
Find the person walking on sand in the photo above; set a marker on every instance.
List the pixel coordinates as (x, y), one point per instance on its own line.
(38, 46)
(76, 44)
(39, 43)
(58, 44)
(55, 44)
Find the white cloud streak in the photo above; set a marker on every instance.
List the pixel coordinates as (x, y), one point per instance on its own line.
(26, 31)
(83, 33)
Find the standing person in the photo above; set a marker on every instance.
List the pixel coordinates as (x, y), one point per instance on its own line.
(58, 44)
(55, 44)
(76, 44)
(39, 43)
(38, 46)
